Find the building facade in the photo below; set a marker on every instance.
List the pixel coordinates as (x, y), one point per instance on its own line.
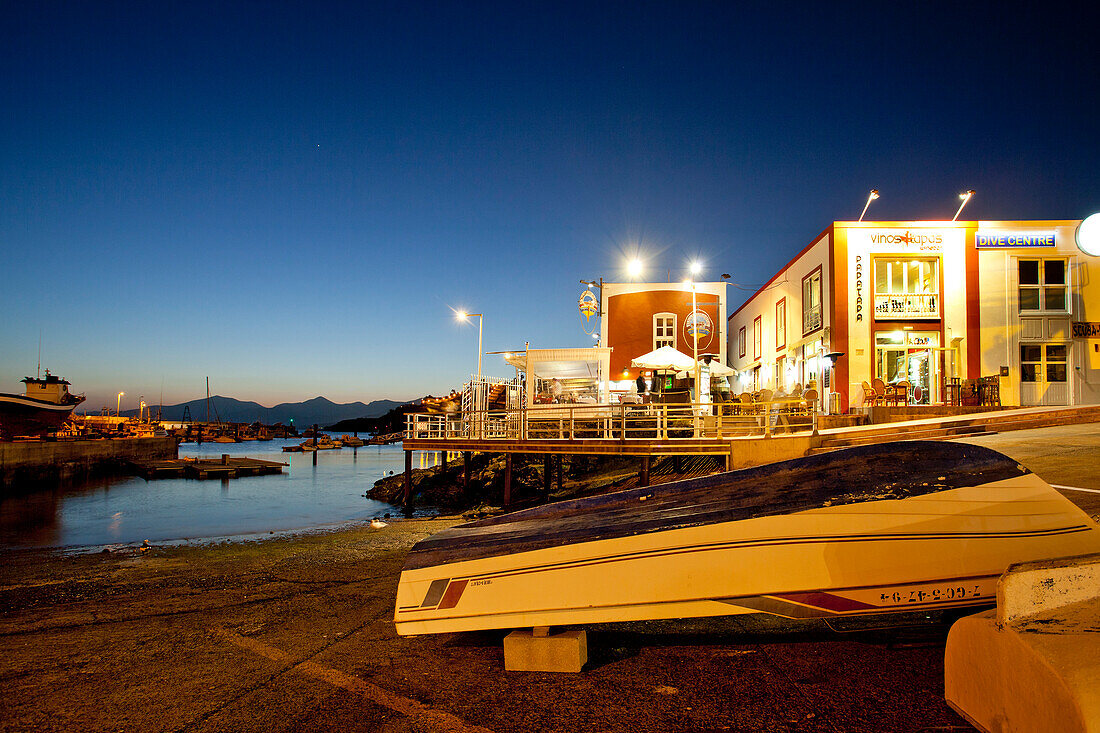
(638, 318)
(928, 302)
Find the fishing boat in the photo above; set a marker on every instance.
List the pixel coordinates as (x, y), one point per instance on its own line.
(351, 441)
(869, 530)
(43, 407)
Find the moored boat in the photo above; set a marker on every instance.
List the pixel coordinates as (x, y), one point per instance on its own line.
(351, 441)
(869, 530)
(43, 408)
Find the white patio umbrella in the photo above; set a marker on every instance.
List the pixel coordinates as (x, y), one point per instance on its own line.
(665, 358)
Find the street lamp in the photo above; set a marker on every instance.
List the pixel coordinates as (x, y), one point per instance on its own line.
(118, 403)
(464, 316)
(871, 197)
(965, 198)
(695, 268)
(477, 390)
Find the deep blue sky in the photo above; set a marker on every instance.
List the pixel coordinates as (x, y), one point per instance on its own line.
(289, 198)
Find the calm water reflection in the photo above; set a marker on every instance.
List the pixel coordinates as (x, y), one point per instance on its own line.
(127, 510)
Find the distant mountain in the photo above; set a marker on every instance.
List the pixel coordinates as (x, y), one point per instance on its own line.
(318, 411)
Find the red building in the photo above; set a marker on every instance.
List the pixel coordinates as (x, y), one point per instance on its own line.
(640, 317)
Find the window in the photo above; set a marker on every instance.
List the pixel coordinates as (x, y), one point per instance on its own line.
(811, 302)
(757, 333)
(741, 341)
(1042, 285)
(781, 374)
(1043, 362)
(664, 330)
(907, 288)
(781, 324)
(809, 362)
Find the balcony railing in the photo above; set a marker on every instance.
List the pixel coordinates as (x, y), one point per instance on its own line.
(624, 422)
(811, 319)
(906, 305)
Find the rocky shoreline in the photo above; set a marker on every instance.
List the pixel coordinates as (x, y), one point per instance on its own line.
(581, 476)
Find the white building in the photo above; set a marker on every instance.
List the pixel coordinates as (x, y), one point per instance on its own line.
(926, 302)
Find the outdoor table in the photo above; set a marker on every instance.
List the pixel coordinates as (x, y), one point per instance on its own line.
(897, 394)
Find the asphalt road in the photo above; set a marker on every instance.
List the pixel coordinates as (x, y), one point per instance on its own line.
(296, 635)
(1066, 456)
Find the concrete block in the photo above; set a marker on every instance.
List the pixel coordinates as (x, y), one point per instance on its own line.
(1041, 587)
(539, 650)
(1033, 663)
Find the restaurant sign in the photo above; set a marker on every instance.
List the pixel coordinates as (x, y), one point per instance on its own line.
(588, 305)
(698, 326)
(898, 240)
(1003, 240)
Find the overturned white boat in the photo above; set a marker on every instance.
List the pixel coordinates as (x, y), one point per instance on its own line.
(869, 530)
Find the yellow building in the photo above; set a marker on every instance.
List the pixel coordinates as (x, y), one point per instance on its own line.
(926, 303)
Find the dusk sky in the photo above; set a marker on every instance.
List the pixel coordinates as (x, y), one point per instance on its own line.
(291, 198)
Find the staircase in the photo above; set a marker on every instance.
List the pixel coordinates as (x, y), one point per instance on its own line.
(946, 428)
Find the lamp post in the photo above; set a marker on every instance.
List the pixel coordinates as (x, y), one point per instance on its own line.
(695, 268)
(464, 316)
(871, 197)
(965, 199)
(118, 403)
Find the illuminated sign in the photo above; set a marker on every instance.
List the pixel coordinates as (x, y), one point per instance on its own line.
(903, 240)
(908, 239)
(698, 325)
(587, 304)
(998, 240)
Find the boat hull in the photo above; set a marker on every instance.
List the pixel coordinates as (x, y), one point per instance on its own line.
(27, 416)
(937, 550)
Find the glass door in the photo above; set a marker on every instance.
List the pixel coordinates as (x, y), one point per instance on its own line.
(910, 356)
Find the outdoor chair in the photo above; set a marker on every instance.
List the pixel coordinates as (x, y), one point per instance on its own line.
(902, 390)
(870, 396)
(810, 398)
(880, 389)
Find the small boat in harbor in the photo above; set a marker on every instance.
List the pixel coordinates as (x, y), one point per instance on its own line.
(43, 408)
(351, 441)
(869, 530)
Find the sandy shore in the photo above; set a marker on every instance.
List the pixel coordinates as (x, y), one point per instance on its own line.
(296, 634)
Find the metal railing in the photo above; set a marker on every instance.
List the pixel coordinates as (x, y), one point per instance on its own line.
(923, 305)
(624, 422)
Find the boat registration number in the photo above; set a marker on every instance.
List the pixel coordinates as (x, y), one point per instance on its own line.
(935, 594)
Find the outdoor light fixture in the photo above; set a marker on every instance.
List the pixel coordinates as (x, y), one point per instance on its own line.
(965, 198)
(464, 316)
(833, 356)
(118, 403)
(871, 197)
(1088, 235)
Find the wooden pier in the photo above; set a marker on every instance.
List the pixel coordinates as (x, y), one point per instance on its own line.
(203, 468)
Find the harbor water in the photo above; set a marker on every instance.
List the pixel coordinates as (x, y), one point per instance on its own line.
(308, 495)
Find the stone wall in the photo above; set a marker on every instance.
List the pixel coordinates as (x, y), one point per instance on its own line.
(39, 462)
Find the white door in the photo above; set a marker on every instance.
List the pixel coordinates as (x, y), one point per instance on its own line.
(1044, 374)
